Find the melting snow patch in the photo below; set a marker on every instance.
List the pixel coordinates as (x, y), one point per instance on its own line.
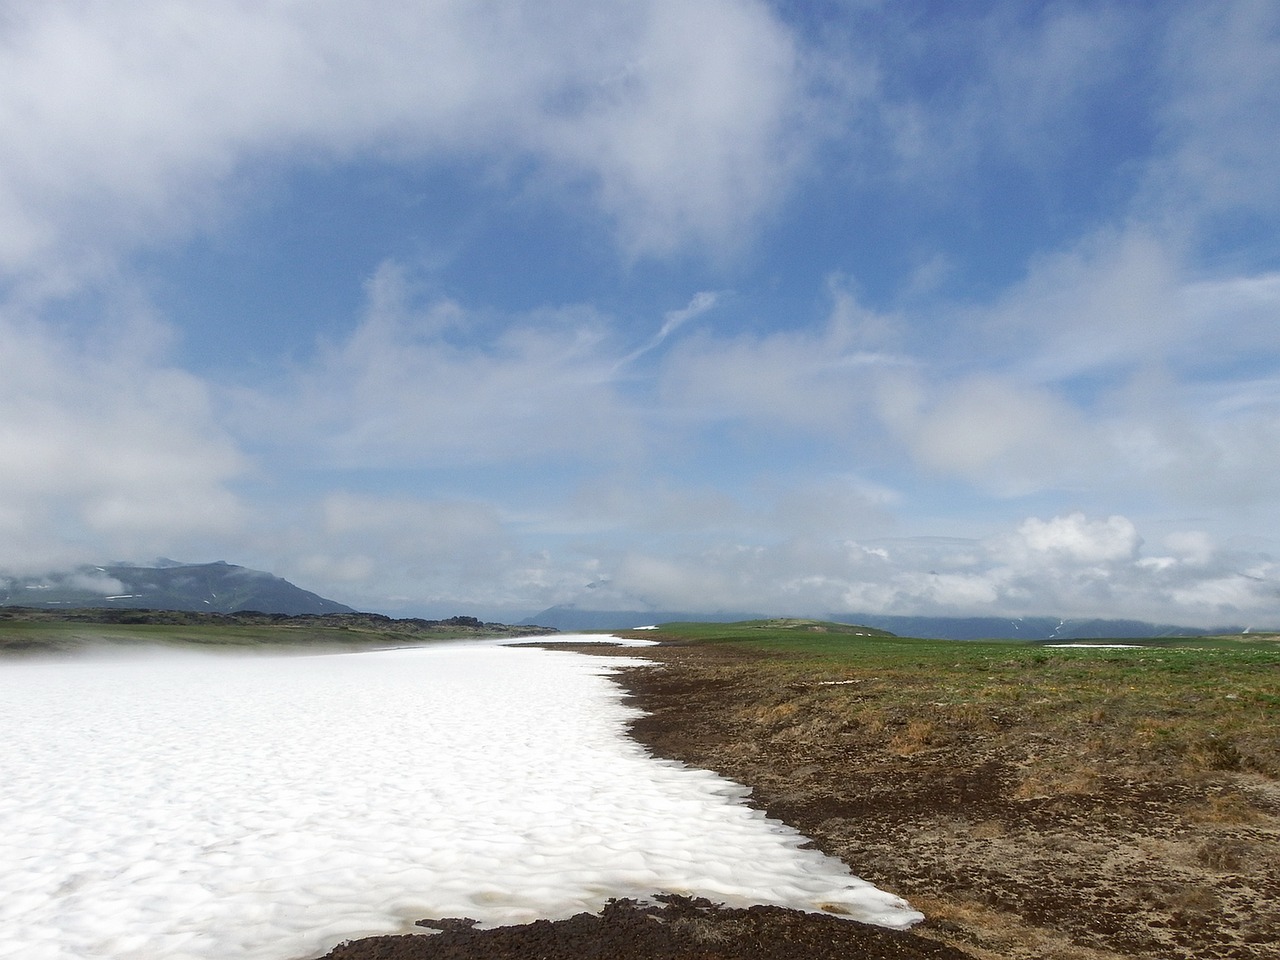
(585, 638)
(1098, 646)
(267, 808)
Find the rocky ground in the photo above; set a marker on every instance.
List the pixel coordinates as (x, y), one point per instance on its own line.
(1014, 842)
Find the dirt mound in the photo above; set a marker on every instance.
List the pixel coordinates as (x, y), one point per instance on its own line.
(679, 929)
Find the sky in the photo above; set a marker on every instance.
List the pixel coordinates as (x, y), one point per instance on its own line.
(444, 307)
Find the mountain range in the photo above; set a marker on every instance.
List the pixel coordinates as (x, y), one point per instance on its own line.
(568, 617)
(218, 587)
(222, 587)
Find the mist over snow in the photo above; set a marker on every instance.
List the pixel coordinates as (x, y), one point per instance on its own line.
(463, 307)
(268, 807)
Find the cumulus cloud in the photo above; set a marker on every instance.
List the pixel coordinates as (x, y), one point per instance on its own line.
(1068, 565)
(138, 116)
(1079, 540)
(1108, 366)
(105, 451)
(634, 541)
(708, 104)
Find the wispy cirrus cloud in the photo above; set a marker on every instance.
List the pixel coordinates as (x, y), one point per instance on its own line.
(1221, 118)
(414, 383)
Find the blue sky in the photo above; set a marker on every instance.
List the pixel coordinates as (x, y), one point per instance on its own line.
(445, 307)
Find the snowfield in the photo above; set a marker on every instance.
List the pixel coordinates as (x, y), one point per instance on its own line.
(268, 807)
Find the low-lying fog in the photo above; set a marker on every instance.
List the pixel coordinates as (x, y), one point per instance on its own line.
(269, 807)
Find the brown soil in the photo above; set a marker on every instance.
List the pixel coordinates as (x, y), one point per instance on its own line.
(681, 929)
(1081, 865)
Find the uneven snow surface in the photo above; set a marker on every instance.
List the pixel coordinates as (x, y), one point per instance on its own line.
(220, 806)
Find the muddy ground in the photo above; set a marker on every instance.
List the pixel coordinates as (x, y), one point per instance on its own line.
(1098, 861)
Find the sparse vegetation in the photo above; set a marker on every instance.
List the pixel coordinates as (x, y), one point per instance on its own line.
(1021, 795)
(30, 631)
(1204, 704)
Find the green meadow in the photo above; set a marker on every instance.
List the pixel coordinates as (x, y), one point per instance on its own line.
(1210, 702)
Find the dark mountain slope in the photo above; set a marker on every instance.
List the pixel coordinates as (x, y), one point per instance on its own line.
(206, 587)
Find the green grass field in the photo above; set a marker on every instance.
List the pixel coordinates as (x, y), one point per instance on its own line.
(1035, 802)
(1200, 702)
(35, 633)
(32, 637)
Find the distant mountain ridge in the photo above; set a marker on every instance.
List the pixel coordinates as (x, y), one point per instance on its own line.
(1029, 628)
(569, 617)
(218, 587)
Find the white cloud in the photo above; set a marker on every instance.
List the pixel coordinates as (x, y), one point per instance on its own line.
(1068, 565)
(105, 452)
(406, 553)
(644, 503)
(1111, 301)
(94, 582)
(132, 119)
(817, 379)
(1231, 318)
(433, 386)
(1185, 96)
(1076, 539)
(1002, 436)
(376, 547)
(1223, 113)
(1190, 546)
(442, 385)
(673, 320)
(1107, 367)
(1125, 300)
(1118, 368)
(690, 139)
(1019, 88)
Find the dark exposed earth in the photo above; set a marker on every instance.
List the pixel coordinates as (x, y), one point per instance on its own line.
(678, 929)
(1158, 867)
